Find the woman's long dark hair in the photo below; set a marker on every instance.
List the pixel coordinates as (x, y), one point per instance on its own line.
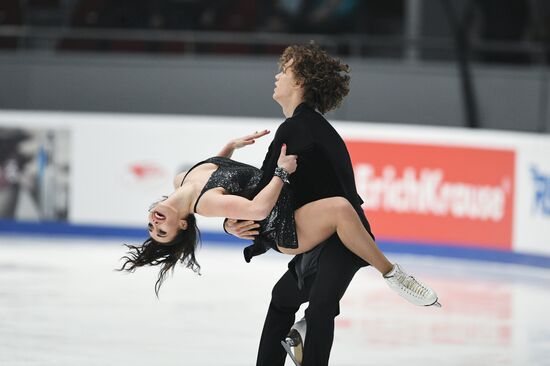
(181, 248)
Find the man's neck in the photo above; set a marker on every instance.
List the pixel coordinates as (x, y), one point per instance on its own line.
(290, 107)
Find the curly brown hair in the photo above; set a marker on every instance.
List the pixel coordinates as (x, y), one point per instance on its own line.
(324, 79)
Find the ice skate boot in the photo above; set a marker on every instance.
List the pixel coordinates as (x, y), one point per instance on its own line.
(410, 288)
(294, 342)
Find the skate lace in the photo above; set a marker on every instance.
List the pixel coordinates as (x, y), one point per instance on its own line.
(415, 287)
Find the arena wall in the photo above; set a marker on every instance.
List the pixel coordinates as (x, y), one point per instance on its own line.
(440, 191)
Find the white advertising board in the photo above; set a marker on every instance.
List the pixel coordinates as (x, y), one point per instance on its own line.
(120, 163)
(532, 219)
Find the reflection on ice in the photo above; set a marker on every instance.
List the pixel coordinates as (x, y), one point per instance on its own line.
(61, 303)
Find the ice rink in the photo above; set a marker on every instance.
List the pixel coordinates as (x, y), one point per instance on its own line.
(62, 303)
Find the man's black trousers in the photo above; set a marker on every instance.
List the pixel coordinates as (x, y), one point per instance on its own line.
(336, 268)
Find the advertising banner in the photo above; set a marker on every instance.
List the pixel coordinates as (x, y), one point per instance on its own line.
(125, 165)
(421, 185)
(533, 202)
(436, 194)
(34, 174)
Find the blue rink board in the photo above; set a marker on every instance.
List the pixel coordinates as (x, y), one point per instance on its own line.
(52, 229)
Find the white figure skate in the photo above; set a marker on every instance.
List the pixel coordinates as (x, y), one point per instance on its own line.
(295, 340)
(410, 288)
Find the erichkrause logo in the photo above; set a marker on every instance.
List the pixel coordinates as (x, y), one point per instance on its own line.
(436, 194)
(541, 183)
(426, 192)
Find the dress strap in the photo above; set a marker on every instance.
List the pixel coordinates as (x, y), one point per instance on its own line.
(197, 201)
(193, 167)
(185, 176)
(215, 160)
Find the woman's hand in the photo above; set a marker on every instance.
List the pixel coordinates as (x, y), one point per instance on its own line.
(237, 143)
(287, 162)
(248, 139)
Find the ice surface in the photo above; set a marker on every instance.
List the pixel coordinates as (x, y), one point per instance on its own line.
(62, 304)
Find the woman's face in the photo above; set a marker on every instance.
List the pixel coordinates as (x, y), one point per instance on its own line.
(285, 83)
(164, 223)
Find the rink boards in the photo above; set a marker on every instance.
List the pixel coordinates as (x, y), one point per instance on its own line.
(443, 191)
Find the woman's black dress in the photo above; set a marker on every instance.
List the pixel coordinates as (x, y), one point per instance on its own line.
(278, 228)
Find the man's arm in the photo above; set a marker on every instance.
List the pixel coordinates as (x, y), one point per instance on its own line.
(297, 138)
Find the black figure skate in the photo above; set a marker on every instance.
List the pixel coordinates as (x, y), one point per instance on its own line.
(295, 340)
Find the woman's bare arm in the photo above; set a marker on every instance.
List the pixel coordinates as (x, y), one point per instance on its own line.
(216, 204)
(237, 143)
(226, 151)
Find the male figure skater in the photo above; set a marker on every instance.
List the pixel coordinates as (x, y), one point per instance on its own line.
(310, 83)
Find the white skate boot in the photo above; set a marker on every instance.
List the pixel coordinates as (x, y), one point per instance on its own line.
(296, 339)
(409, 288)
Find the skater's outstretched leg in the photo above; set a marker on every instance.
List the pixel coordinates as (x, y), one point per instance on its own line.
(318, 220)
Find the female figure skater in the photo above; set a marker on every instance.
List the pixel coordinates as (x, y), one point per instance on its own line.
(221, 187)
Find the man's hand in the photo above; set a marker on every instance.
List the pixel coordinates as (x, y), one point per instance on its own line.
(242, 229)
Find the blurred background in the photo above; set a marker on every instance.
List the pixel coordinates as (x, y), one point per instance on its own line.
(447, 124)
(467, 63)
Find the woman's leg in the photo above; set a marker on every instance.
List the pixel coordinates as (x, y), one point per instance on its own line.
(318, 220)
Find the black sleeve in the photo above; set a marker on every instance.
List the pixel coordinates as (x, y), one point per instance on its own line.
(288, 133)
(297, 139)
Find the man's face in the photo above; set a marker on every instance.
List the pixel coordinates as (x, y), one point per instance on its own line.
(285, 83)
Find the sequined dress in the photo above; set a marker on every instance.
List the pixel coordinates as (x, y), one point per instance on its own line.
(278, 228)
